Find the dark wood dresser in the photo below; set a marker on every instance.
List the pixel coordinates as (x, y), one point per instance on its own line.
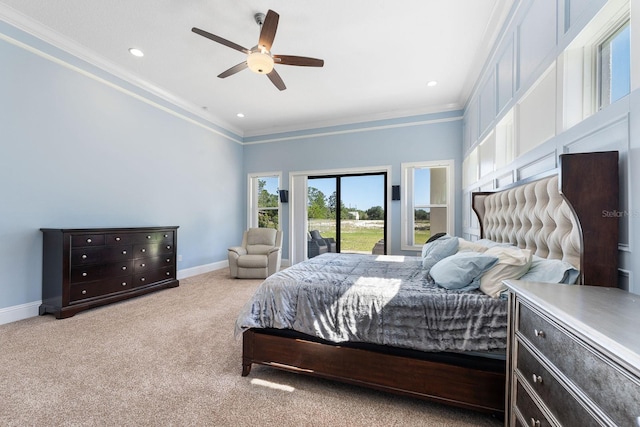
(85, 268)
(573, 356)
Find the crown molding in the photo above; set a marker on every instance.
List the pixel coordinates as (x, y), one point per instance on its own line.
(31, 27)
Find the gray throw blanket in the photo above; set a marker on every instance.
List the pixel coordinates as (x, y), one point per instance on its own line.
(377, 299)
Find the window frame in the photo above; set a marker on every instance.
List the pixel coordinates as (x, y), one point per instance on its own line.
(408, 205)
(613, 31)
(253, 210)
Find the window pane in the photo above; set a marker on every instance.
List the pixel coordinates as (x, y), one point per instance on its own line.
(615, 67)
(427, 222)
(430, 186)
(268, 192)
(268, 218)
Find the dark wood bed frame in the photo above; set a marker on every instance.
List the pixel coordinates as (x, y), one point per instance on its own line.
(588, 182)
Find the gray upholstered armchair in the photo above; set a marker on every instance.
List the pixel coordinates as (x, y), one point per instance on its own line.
(259, 255)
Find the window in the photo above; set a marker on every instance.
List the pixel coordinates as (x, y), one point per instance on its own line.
(614, 69)
(427, 202)
(264, 202)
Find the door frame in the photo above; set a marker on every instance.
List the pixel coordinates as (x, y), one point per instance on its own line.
(298, 206)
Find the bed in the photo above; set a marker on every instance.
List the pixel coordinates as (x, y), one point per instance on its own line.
(559, 216)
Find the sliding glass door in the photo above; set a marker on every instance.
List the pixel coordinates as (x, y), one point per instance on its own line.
(351, 209)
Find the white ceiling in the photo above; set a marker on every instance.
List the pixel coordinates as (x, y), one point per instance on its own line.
(379, 55)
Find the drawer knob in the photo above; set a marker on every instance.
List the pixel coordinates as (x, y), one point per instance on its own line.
(168, 247)
(148, 237)
(168, 259)
(124, 252)
(537, 379)
(168, 273)
(143, 250)
(84, 274)
(124, 283)
(142, 279)
(84, 292)
(124, 267)
(538, 333)
(84, 257)
(535, 423)
(166, 235)
(143, 265)
(117, 239)
(88, 240)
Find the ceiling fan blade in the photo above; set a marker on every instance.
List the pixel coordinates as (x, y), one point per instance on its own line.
(302, 61)
(269, 27)
(231, 71)
(276, 79)
(220, 40)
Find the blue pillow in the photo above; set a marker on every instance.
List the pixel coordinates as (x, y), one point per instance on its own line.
(436, 250)
(551, 271)
(462, 271)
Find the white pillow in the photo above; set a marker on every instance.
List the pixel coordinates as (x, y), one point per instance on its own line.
(513, 263)
(466, 246)
(551, 271)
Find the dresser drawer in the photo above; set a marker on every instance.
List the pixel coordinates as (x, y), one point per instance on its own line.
(152, 249)
(557, 399)
(90, 273)
(143, 265)
(82, 291)
(99, 254)
(143, 279)
(613, 389)
(532, 415)
(152, 237)
(87, 240)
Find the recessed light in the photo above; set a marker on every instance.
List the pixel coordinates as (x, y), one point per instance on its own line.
(136, 52)
(432, 83)
(240, 115)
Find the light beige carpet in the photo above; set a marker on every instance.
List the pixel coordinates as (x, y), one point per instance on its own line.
(170, 359)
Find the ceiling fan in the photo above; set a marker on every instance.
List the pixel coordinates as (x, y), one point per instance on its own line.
(259, 58)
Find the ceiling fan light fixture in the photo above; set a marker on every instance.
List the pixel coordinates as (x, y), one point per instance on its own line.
(260, 62)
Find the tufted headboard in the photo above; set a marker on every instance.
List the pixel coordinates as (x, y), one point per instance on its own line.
(561, 216)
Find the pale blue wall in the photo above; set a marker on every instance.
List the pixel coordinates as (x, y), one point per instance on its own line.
(381, 143)
(75, 152)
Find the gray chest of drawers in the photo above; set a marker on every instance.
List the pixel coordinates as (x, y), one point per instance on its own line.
(573, 357)
(85, 268)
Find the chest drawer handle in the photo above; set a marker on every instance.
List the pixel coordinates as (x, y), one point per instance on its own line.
(124, 283)
(143, 250)
(168, 273)
(88, 240)
(124, 267)
(117, 239)
(166, 235)
(168, 247)
(168, 259)
(538, 333)
(143, 265)
(84, 274)
(142, 279)
(124, 252)
(535, 423)
(84, 292)
(148, 237)
(537, 379)
(84, 257)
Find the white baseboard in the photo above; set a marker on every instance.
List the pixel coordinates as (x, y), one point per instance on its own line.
(19, 312)
(201, 269)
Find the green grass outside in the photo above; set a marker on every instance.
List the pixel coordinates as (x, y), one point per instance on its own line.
(362, 238)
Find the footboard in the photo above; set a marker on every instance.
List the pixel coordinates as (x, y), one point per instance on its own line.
(478, 389)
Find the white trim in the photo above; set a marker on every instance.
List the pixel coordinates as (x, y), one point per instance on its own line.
(252, 211)
(320, 133)
(201, 269)
(19, 312)
(407, 198)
